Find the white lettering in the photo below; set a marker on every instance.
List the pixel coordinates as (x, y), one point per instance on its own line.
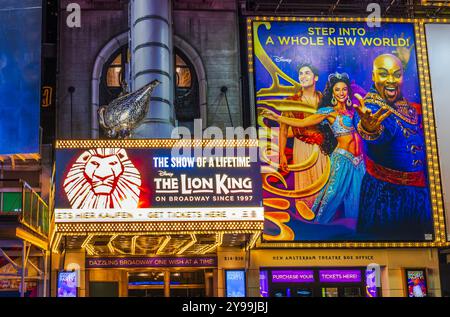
(74, 18)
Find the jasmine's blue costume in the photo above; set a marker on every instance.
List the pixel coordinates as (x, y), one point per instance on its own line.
(395, 201)
(344, 183)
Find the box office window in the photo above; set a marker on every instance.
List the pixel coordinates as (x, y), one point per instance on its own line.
(145, 278)
(103, 289)
(318, 282)
(197, 277)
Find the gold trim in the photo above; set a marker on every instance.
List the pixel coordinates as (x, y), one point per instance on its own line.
(321, 245)
(159, 228)
(218, 243)
(188, 245)
(22, 156)
(430, 135)
(442, 3)
(55, 243)
(428, 122)
(33, 239)
(376, 99)
(153, 143)
(369, 136)
(162, 245)
(303, 192)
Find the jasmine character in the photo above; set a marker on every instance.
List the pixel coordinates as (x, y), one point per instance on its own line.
(343, 146)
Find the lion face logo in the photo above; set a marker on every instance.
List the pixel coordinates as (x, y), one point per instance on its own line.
(103, 178)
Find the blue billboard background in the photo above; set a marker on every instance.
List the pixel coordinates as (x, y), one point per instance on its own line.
(20, 75)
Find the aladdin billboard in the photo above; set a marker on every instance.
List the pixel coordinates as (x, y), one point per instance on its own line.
(133, 183)
(20, 76)
(345, 155)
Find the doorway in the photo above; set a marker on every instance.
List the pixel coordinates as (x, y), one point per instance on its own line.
(168, 283)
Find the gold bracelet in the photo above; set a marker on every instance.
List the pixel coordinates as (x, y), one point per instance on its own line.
(369, 136)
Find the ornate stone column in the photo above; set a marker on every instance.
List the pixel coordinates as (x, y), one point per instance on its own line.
(152, 58)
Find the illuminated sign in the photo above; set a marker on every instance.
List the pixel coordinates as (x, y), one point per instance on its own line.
(129, 262)
(155, 185)
(416, 283)
(435, 3)
(264, 283)
(340, 276)
(67, 284)
(20, 76)
(330, 176)
(293, 276)
(235, 283)
(371, 283)
(47, 92)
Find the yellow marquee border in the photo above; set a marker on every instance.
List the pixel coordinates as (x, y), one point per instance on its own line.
(441, 3)
(429, 131)
(154, 143)
(158, 228)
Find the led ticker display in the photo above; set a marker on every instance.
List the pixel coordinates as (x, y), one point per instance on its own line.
(330, 172)
(154, 184)
(20, 76)
(136, 262)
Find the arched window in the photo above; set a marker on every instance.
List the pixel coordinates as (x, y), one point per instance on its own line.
(113, 76)
(186, 92)
(186, 101)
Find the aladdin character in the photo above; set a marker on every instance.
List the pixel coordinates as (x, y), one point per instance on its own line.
(342, 142)
(303, 144)
(394, 203)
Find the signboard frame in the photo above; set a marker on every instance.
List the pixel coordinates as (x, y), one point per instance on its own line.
(407, 280)
(435, 3)
(437, 210)
(73, 291)
(252, 224)
(227, 282)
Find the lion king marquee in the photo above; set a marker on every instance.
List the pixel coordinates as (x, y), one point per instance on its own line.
(158, 182)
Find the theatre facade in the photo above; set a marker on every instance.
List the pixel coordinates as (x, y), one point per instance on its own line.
(344, 220)
(155, 216)
(131, 219)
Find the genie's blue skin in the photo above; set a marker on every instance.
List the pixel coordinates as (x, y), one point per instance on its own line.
(395, 201)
